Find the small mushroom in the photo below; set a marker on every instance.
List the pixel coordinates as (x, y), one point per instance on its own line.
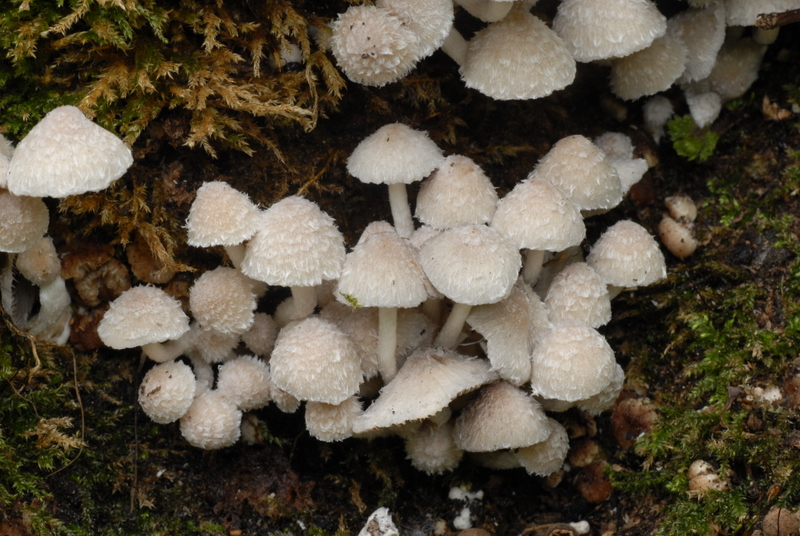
(167, 391)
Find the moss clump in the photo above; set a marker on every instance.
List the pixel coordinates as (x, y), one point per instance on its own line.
(690, 141)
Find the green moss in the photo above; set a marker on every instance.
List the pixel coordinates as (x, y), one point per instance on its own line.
(690, 141)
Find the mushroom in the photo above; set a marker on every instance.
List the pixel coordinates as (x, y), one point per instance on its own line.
(66, 154)
(702, 32)
(245, 381)
(545, 457)
(23, 221)
(430, 20)
(704, 107)
(600, 29)
(471, 265)
(314, 360)
(212, 422)
(222, 216)
(537, 216)
(579, 293)
(223, 299)
(518, 57)
(735, 70)
(657, 111)
(384, 271)
(431, 448)
(650, 70)
(332, 422)
(260, 336)
(395, 155)
(677, 237)
(297, 246)
(626, 255)
(145, 316)
(167, 391)
(373, 46)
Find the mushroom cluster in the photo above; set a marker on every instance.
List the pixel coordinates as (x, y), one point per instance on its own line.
(704, 49)
(64, 154)
(453, 336)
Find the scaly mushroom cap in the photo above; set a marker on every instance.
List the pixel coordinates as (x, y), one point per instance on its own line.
(572, 362)
(518, 57)
(393, 154)
(431, 448)
(548, 456)
(427, 382)
(332, 422)
(600, 29)
(222, 299)
(430, 20)
(500, 417)
(582, 172)
(579, 293)
(221, 216)
(616, 145)
(626, 255)
(536, 215)
(702, 32)
(142, 315)
(246, 382)
(458, 193)
(603, 400)
(66, 154)
(735, 70)
(40, 264)
(260, 336)
(167, 391)
(373, 46)
(23, 221)
(383, 270)
(297, 245)
(314, 360)
(473, 264)
(212, 422)
(649, 70)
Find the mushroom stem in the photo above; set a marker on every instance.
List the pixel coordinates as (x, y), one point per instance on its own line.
(486, 10)
(52, 320)
(161, 352)
(401, 213)
(387, 342)
(533, 266)
(455, 46)
(305, 301)
(236, 255)
(448, 336)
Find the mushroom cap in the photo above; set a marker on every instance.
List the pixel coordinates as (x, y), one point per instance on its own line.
(431, 448)
(650, 70)
(704, 107)
(582, 172)
(500, 417)
(393, 154)
(678, 238)
(40, 264)
(66, 154)
(211, 345)
(142, 315)
(615, 145)
(579, 293)
(23, 221)
(167, 391)
(297, 245)
(222, 299)
(681, 207)
(600, 29)
(221, 216)
(212, 422)
(314, 360)
(245, 381)
(626, 255)
(547, 456)
(702, 32)
(657, 111)
(507, 326)
(332, 422)
(383, 270)
(458, 193)
(472, 264)
(427, 382)
(572, 362)
(260, 336)
(535, 214)
(373, 46)
(735, 70)
(603, 400)
(518, 57)
(430, 20)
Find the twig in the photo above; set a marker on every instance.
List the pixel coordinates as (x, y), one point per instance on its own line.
(770, 21)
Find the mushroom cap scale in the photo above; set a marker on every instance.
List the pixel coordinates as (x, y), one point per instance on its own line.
(314, 360)
(500, 417)
(427, 382)
(221, 216)
(518, 57)
(142, 315)
(67, 154)
(395, 153)
(472, 264)
(572, 362)
(297, 245)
